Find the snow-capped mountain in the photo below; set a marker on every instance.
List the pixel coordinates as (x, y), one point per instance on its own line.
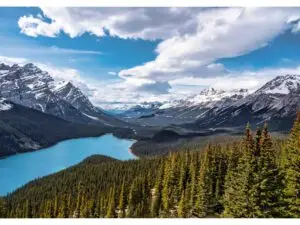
(73, 95)
(208, 98)
(281, 85)
(276, 102)
(29, 86)
(193, 107)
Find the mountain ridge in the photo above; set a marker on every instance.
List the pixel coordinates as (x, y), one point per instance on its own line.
(29, 86)
(278, 100)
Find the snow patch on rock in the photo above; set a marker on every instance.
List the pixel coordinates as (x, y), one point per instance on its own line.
(4, 106)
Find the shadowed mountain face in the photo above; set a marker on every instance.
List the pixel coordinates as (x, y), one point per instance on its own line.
(24, 129)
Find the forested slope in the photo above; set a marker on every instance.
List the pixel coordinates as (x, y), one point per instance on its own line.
(255, 177)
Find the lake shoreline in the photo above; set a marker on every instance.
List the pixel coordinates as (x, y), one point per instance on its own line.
(49, 145)
(19, 169)
(131, 152)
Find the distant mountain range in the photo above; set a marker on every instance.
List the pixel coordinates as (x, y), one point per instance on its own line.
(276, 102)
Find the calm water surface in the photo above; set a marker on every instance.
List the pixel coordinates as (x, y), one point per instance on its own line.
(17, 170)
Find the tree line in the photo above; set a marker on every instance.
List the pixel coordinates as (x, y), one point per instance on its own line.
(257, 176)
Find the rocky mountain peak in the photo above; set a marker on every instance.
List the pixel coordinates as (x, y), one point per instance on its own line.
(15, 66)
(281, 85)
(31, 67)
(29, 86)
(4, 66)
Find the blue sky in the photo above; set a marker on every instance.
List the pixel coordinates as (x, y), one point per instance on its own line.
(147, 54)
(114, 53)
(282, 51)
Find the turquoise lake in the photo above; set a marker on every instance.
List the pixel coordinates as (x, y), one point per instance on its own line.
(17, 170)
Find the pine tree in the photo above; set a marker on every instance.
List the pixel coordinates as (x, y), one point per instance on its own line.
(146, 193)
(239, 181)
(111, 204)
(92, 212)
(156, 194)
(28, 209)
(170, 185)
(220, 179)
(255, 176)
(166, 187)
(192, 183)
(231, 183)
(182, 206)
(204, 185)
(63, 210)
(101, 208)
(183, 174)
(122, 202)
(83, 208)
(78, 200)
(2, 208)
(270, 179)
(291, 166)
(55, 207)
(266, 190)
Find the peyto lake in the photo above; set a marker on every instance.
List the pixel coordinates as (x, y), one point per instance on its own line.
(19, 169)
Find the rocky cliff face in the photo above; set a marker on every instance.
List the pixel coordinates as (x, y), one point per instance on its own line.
(29, 86)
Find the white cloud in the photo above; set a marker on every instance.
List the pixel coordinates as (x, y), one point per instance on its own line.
(221, 33)
(249, 79)
(155, 87)
(134, 91)
(34, 26)
(192, 40)
(145, 23)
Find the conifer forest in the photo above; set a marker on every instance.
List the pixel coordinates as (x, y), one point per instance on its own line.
(257, 176)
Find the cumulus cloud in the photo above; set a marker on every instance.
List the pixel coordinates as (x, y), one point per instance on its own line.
(191, 42)
(134, 91)
(249, 79)
(35, 26)
(192, 38)
(145, 23)
(221, 33)
(156, 87)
